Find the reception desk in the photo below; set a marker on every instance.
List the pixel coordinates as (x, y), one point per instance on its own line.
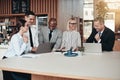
(3, 49)
(56, 66)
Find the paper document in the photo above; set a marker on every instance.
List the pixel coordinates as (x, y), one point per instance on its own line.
(30, 55)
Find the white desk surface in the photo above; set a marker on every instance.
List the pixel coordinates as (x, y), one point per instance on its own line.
(4, 46)
(88, 66)
(2, 51)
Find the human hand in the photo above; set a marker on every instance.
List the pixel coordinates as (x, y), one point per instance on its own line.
(63, 49)
(97, 37)
(76, 49)
(84, 39)
(25, 38)
(34, 49)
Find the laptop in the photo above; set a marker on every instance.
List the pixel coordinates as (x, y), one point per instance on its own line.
(92, 47)
(44, 48)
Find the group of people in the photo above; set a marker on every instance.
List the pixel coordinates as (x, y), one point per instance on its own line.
(27, 38)
(62, 41)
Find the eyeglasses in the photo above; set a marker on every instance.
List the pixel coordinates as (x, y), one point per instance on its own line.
(73, 23)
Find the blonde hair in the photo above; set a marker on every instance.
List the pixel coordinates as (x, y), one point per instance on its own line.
(73, 18)
(100, 19)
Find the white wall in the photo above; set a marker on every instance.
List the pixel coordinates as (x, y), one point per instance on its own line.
(67, 8)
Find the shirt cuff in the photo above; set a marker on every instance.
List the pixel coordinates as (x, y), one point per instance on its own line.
(30, 48)
(99, 41)
(53, 50)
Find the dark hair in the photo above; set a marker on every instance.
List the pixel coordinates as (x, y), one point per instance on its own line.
(29, 13)
(15, 30)
(20, 23)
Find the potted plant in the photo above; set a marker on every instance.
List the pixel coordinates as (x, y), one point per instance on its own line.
(102, 9)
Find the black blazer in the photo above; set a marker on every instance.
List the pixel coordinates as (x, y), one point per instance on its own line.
(107, 39)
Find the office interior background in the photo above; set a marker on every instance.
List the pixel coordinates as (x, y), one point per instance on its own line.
(84, 10)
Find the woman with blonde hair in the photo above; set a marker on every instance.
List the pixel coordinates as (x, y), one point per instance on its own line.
(71, 37)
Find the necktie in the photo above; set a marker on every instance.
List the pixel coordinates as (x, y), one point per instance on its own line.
(30, 34)
(100, 34)
(50, 34)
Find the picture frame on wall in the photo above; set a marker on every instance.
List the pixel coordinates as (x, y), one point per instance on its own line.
(87, 29)
(20, 6)
(24, 6)
(15, 6)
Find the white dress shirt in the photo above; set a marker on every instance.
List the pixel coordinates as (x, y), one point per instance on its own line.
(16, 46)
(71, 39)
(34, 32)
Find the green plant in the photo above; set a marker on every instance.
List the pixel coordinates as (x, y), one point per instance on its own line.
(102, 9)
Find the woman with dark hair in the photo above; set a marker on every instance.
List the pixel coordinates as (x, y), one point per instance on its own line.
(17, 47)
(18, 41)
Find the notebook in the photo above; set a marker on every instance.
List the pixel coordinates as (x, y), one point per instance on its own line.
(44, 48)
(92, 47)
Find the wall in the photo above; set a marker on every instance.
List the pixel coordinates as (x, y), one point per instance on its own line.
(117, 19)
(44, 6)
(60, 9)
(5, 7)
(67, 8)
(38, 6)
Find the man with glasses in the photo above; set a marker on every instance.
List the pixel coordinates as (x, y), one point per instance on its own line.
(51, 34)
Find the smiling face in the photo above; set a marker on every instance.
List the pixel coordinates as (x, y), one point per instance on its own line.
(25, 28)
(98, 26)
(52, 24)
(30, 19)
(72, 25)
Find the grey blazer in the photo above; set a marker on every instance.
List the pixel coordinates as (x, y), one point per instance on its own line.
(56, 38)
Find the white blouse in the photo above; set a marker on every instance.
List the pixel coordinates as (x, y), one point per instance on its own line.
(71, 39)
(16, 46)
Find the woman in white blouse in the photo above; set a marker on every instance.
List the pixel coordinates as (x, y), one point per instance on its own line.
(71, 38)
(17, 46)
(18, 42)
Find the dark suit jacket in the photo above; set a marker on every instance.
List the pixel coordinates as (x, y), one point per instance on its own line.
(107, 39)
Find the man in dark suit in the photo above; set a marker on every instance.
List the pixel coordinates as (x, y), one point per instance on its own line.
(102, 34)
